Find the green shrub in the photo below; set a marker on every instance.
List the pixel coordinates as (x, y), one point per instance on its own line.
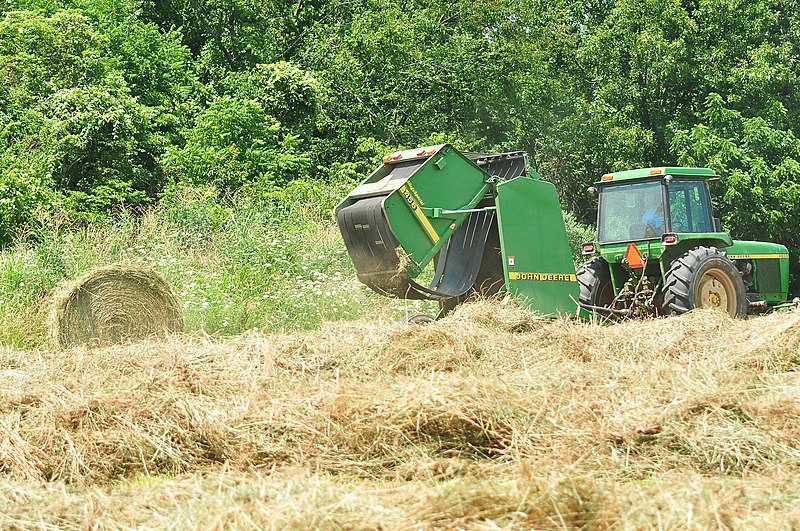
(233, 145)
(577, 233)
(21, 196)
(284, 90)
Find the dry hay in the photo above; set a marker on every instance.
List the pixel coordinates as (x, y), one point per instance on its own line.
(114, 304)
(489, 418)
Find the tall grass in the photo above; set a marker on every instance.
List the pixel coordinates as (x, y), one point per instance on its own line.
(276, 262)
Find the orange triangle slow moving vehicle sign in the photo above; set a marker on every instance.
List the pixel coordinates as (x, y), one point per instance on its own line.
(633, 256)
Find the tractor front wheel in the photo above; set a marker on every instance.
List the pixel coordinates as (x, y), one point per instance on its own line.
(594, 279)
(704, 278)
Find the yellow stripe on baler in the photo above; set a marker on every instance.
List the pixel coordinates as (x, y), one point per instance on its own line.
(757, 256)
(423, 219)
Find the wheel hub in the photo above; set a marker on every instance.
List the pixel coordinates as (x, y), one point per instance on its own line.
(714, 298)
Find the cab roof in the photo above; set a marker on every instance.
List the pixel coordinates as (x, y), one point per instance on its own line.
(648, 173)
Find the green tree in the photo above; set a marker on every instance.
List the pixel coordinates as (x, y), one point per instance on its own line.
(98, 144)
(402, 72)
(234, 144)
(285, 91)
(759, 163)
(235, 35)
(89, 104)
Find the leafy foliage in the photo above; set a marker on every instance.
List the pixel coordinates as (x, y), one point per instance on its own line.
(285, 92)
(104, 103)
(760, 167)
(235, 144)
(97, 142)
(83, 126)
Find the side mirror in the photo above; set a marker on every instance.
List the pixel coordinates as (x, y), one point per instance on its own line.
(592, 190)
(717, 225)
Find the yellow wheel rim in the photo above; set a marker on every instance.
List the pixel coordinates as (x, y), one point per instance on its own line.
(716, 290)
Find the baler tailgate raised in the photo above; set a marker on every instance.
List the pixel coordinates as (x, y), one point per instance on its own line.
(374, 251)
(539, 267)
(413, 209)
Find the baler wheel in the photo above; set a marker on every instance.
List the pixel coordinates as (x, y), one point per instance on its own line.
(704, 278)
(416, 319)
(594, 279)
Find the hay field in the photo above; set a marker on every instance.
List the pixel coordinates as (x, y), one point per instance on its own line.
(490, 418)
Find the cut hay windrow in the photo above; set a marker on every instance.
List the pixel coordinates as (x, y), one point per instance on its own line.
(113, 304)
(488, 418)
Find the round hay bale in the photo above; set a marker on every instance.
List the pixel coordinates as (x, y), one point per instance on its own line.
(114, 304)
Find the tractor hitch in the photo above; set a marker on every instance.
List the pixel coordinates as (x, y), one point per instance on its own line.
(622, 312)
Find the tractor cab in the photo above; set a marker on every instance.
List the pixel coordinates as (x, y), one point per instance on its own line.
(657, 211)
(643, 205)
(661, 251)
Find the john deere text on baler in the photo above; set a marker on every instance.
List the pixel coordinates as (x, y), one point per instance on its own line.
(489, 223)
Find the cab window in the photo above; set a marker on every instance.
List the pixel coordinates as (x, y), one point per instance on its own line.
(689, 207)
(630, 212)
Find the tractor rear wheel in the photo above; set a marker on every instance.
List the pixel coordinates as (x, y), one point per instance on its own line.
(704, 278)
(594, 279)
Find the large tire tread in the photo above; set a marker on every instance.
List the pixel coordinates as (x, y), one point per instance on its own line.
(684, 272)
(592, 277)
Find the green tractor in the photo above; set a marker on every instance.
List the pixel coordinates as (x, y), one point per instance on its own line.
(660, 251)
(479, 223)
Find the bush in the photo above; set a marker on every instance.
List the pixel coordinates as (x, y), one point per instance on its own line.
(284, 90)
(577, 233)
(235, 144)
(22, 195)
